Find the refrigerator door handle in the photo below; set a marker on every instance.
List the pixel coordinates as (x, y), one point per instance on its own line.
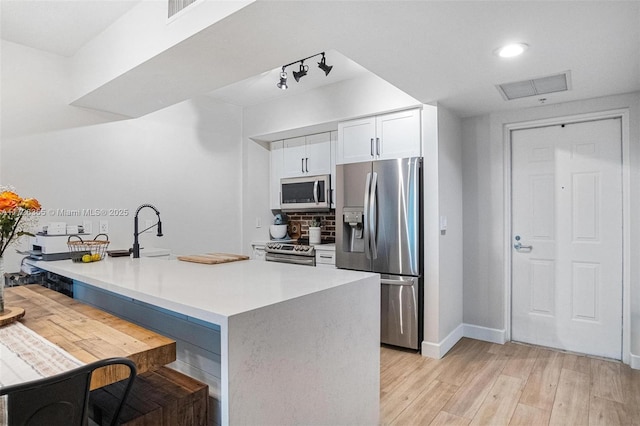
(373, 216)
(367, 224)
(397, 282)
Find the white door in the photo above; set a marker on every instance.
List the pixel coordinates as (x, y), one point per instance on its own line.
(567, 219)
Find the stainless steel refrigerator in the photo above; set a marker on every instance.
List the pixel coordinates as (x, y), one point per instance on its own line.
(379, 229)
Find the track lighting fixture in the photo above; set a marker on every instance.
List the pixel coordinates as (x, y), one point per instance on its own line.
(302, 71)
(323, 65)
(283, 80)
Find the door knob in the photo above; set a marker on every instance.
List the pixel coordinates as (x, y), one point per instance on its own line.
(519, 246)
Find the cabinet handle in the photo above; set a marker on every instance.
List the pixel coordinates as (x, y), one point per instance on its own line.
(378, 146)
(307, 165)
(372, 147)
(302, 165)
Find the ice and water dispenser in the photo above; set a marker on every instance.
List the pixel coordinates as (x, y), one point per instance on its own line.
(353, 229)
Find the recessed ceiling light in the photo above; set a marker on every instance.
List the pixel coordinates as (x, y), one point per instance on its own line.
(511, 50)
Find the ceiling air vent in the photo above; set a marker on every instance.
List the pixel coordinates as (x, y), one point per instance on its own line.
(176, 6)
(536, 86)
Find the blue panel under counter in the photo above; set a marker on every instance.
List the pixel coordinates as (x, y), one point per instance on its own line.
(197, 341)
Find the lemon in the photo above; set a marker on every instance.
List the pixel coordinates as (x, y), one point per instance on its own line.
(86, 258)
(95, 257)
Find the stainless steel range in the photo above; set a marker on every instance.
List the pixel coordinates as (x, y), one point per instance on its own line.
(290, 253)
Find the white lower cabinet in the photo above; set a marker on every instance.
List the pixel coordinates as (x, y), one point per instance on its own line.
(257, 250)
(326, 255)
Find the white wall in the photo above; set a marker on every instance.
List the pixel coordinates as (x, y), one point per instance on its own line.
(450, 206)
(186, 159)
(443, 282)
(484, 214)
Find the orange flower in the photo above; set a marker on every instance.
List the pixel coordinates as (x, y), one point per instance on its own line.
(9, 201)
(30, 204)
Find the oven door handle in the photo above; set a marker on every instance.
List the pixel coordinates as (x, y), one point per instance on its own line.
(293, 259)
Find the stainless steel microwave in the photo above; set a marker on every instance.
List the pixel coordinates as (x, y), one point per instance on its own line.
(311, 193)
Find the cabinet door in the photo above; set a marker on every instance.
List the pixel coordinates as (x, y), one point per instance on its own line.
(294, 155)
(258, 252)
(355, 140)
(275, 173)
(334, 142)
(318, 154)
(398, 135)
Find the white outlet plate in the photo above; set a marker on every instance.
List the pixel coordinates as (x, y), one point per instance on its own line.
(88, 226)
(104, 227)
(258, 222)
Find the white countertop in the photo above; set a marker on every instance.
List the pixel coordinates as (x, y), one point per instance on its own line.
(208, 292)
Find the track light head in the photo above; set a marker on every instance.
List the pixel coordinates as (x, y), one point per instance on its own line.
(302, 72)
(324, 67)
(283, 81)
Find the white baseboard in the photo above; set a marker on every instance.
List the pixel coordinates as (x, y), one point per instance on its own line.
(492, 335)
(634, 361)
(438, 350)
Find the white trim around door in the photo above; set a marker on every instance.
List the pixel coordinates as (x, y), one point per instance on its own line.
(623, 114)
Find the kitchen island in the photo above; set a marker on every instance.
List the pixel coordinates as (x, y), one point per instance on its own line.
(277, 343)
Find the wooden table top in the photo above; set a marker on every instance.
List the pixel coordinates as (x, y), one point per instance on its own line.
(90, 334)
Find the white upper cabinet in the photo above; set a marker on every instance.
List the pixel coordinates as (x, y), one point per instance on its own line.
(398, 134)
(356, 140)
(276, 170)
(307, 155)
(304, 156)
(394, 135)
(334, 141)
(294, 155)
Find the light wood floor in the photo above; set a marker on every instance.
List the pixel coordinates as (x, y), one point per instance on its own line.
(482, 383)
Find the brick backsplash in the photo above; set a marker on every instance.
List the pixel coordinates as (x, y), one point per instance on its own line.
(327, 220)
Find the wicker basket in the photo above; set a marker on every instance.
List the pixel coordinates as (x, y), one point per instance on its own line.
(95, 249)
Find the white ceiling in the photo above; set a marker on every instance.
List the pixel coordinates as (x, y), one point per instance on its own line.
(263, 87)
(436, 51)
(56, 26)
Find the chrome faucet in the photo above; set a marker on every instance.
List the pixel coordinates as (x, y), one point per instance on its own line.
(136, 244)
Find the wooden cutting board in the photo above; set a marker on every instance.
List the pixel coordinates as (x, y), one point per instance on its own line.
(213, 258)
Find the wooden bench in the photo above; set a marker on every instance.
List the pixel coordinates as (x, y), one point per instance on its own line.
(161, 397)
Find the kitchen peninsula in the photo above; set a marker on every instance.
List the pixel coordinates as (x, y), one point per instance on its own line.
(297, 344)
